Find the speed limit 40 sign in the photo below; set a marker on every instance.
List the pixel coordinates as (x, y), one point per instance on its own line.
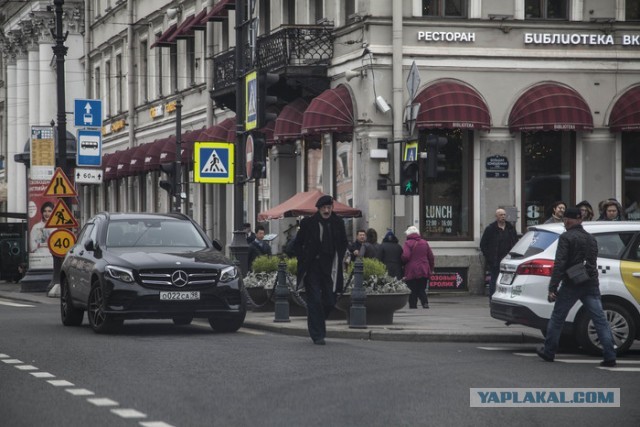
(60, 241)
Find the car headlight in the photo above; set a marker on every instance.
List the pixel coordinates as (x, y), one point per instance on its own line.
(120, 273)
(228, 274)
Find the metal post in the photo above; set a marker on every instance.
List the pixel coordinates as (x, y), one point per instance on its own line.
(282, 294)
(358, 311)
(239, 246)
(177, 183)
(60, 50)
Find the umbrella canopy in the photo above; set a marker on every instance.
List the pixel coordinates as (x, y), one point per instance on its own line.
(303, 204)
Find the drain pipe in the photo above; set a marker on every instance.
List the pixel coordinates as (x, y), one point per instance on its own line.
(398, 110)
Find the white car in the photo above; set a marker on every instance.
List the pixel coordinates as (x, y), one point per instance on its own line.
(522, 286)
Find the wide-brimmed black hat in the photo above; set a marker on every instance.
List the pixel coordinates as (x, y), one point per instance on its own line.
(324, 200)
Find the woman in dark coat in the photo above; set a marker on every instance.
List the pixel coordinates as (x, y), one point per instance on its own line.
(390, 253)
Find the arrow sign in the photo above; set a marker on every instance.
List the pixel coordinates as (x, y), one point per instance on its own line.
(88, 176)
(87, 113)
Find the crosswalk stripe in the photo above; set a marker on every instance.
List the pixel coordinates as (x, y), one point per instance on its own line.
(14, 304)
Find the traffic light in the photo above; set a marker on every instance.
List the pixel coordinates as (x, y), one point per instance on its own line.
(259, 170)
(169, 184)
(409, 178)
(265, 99)
(434, 158)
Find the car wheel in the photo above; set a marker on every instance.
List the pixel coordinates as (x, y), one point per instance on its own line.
(100, 322)
(70, 315)
(184, 320)
(226, 324)
(622, 326)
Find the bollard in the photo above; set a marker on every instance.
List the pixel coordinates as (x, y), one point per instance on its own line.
(282, 294)
(357, 311)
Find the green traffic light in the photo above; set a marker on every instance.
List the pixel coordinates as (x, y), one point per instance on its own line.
(408, 188)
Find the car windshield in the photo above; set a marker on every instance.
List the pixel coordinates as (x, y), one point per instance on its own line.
(153, 233)
(533, 243)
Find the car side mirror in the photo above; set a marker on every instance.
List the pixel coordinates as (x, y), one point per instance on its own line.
(217, 244)
(89, 245)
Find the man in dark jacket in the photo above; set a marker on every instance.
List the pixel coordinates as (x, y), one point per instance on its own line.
(497, 240)
(576, 246)
(320, 246)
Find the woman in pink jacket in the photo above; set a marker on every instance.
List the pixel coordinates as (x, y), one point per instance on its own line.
(418, 265)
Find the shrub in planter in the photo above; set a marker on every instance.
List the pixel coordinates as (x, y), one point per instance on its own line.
(375, 279)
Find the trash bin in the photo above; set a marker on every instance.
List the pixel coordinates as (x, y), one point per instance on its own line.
(12, 250)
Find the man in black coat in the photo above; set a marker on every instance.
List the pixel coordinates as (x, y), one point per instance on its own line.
(320, 246)
(496, 242)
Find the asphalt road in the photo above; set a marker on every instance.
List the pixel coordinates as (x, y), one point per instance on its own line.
(157, 374)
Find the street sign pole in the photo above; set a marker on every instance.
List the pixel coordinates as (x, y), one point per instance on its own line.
(177, 194)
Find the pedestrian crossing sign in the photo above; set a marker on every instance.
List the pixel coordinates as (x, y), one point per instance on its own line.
(213, 162)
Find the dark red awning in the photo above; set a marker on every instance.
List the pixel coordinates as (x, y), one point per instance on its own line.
(152, 158)
(550, 106)
(188, 139)
(288, 125)
(331, 111)
(220, 11)
(183, 31)
(625, 115)
(124, 162)
(111, 165)
(162, 41)
(268, 132)
(225, 131)
(168, 150)
(137, 158)
(451, 105)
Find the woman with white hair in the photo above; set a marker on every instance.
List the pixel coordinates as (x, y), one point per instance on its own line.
(419, 262)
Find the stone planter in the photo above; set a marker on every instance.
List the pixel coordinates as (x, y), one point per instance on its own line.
(380, 307)
(260, 296)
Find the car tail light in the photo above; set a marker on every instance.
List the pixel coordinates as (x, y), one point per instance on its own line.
(536, 267)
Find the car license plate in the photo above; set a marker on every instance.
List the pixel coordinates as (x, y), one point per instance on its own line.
(180, 296)
(506, 278)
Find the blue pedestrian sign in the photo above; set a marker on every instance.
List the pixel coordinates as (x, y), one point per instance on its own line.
(87, 113)
(213, 162)
(89, 149)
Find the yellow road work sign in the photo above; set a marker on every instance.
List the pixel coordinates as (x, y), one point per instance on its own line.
(61, 217)
(60, 186)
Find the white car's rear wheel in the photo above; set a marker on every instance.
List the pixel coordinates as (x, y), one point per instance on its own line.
(622, 326)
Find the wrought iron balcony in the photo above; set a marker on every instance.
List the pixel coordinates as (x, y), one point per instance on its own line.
(304, 51)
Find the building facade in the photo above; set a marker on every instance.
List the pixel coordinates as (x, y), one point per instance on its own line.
(532, 101)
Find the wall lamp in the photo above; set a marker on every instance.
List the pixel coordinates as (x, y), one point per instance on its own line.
(352, 74)
(172, 12)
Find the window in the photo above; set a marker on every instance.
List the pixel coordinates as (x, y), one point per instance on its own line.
(97, 94)
(173, 64)
(631, 178)
(612, 245)
(317, 9)
(107, 87)
(313, 167)
(289, 11)
(547, 163)
(343, 189)
(143, 70)
(119, 93)
(159, 71)
(97, 8)
(447, 211)
(546, 9)
(632, 10)
(444, 8)
(265, 17)
(191, 61)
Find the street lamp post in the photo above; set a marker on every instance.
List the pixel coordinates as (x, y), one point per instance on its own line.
(177, 183)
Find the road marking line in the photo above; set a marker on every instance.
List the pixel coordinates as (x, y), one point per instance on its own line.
(12, 361)
(525, 354)
(620, 369)
(155, 424)
(80, 392)
(4, 356)
(102, 401)
(42, 375)
(26, 367)
(60, 383)
(14, 304)
(129, 413)
(250, 331)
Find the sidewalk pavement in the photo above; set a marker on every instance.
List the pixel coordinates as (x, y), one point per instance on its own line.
(451, 317)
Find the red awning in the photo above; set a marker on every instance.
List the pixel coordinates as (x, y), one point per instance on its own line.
(225, 131)
(289, 122)
(188, 139)
(304, 204)
(550, 106)
(451, 105)
(111, 165)
(220, 11)
(625, 115)
(162, 41)
(268, 132)
(331, 111)
(183, 31)
(152, 158)
(137, 158)
(168, 150)
(124, 162)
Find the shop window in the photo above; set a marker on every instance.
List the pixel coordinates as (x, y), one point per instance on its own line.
(631, 179)
(343, 191)
(313, 166)
(444, 8)
(446, 206)
(546, 9)
(632, 10)
(547, 166)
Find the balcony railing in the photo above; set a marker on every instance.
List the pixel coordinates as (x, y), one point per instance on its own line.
(289, 46)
